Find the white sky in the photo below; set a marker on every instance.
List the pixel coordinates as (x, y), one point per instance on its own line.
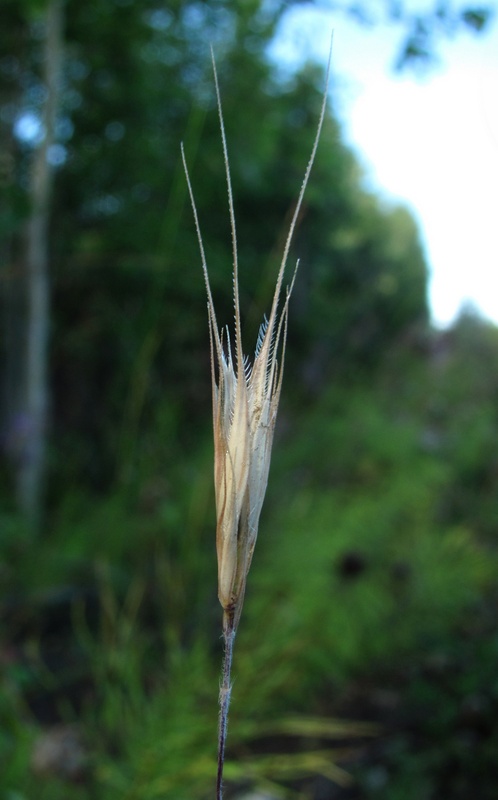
(431, 142)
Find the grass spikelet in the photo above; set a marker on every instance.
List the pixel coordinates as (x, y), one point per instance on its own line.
(245, 403)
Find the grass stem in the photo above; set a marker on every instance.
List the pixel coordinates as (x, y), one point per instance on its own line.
(229, 630)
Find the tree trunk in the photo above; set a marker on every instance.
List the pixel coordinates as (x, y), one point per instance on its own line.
(34, 412)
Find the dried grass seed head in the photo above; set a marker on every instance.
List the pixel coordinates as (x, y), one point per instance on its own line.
(245, 403)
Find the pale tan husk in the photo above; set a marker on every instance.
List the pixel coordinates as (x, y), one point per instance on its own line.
(245, 404)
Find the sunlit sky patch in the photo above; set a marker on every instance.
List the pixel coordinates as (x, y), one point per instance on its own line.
(430, 141)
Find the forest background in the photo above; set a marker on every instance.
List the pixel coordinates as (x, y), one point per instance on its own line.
(372, 594)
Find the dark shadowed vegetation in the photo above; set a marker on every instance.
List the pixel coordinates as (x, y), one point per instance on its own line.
(366, 660)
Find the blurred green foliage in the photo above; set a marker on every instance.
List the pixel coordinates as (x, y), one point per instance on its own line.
(377, 552)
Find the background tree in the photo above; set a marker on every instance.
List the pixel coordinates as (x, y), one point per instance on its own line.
(34, 409)
(28, 309)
